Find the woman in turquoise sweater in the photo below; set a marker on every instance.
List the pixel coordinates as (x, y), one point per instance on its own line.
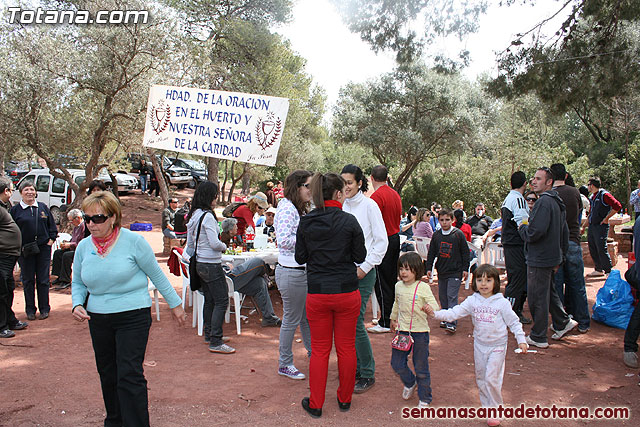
(110, 290)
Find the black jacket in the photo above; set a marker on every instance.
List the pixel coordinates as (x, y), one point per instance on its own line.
(330, 242)
(547, 234)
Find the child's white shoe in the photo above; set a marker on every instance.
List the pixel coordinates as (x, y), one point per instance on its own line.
(407, 392)
(422, 404)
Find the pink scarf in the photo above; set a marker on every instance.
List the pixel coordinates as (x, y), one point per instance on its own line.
(103, 245)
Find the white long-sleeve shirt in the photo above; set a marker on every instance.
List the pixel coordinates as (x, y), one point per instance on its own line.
(490, 316)
(370, 219)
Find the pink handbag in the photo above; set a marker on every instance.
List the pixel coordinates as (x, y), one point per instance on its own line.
(405, 342)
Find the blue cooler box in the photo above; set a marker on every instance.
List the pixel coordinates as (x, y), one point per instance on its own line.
(140, 226)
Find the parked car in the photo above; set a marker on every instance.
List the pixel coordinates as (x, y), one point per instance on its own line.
(126, 182)
(197, 168)
(173, 174)
(56, 192)
(16, 170)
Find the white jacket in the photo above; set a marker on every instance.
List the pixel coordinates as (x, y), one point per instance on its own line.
(491, 317)
(370, 219)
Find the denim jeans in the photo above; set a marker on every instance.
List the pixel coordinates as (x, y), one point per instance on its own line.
(597, 236)
(399, 363)
(248, 278)
(366, 363)
(573, 294)
(292, 284)
(143, 182)
(119, 343)
(448, 290)
(168, 233)
(216, 299)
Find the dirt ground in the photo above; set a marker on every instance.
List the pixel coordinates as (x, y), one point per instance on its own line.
(48, 375)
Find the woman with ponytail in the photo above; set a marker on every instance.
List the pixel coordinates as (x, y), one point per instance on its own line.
(331, 243)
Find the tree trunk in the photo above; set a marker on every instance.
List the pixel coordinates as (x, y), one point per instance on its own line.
(213, 166)
(246, 179)
(162, 183)
(224, 184)
(234, 180)
(626, 170)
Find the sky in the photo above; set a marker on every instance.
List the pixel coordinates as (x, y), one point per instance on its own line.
(335, 56)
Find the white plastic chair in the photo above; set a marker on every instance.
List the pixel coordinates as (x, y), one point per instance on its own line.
(61, 238)
(422, 246)
(374, 305)
(198, 308)
(473, 262)
(494, 254)
(237, 304)
(152, 287)
(186, 282)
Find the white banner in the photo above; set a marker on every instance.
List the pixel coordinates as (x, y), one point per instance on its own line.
(228, 125)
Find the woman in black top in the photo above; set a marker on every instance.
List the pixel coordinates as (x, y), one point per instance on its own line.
(36, 225)
(330, 242)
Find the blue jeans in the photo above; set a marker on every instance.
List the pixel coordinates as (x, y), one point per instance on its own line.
(448, 294)
(597, 236)
(574, 297)
(143, 182)
(168, 233)
(216, 299)
(399, 363)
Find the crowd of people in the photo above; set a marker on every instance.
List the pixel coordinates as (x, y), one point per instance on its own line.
(336, 248)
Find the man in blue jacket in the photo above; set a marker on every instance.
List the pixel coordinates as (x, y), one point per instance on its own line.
(547, 236)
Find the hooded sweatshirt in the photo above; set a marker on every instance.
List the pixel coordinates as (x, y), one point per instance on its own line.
(330, 242)
(370, 219)
(490, 316)
(547, 234)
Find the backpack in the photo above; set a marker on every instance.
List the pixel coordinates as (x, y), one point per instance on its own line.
(179, 225)
(230, 209)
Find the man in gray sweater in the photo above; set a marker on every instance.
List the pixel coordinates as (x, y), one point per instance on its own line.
(547, 237)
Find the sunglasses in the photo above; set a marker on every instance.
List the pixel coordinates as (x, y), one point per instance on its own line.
(531, 199)
(97, 219)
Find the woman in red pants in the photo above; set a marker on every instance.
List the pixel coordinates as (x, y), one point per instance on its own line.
(330, 242)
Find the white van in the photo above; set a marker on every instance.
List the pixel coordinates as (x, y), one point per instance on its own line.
(55, 192)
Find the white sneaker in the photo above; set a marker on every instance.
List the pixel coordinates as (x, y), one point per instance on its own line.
(531, 342)
(407, 392)
(422, 404)
(291, 372)
(559, 334)
(378, 329)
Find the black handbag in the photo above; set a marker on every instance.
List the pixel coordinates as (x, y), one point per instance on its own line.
(195, 282)
(31, 248)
